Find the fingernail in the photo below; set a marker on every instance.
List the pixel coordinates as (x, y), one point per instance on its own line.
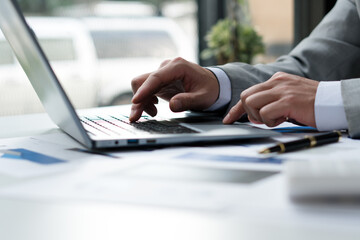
(132, 115)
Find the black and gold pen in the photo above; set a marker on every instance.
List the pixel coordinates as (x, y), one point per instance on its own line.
(306, 142)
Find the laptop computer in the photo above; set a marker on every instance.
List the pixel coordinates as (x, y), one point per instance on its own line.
(107, 127)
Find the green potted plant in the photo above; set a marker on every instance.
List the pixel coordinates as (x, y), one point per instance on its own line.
(234, 39)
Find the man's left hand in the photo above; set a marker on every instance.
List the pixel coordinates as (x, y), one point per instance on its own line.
(283, 96)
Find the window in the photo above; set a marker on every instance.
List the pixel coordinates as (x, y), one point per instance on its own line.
(92, 78)
(133, 44)
(58, 49)
(274, 21)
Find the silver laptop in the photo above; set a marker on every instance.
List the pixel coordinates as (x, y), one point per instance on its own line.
(108, 127)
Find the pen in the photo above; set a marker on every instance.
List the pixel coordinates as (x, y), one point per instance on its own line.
(306, 142)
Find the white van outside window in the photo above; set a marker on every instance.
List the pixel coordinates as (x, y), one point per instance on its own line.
(127, 47)
(71, 52)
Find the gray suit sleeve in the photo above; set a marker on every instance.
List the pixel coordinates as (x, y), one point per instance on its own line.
(350, 90)
(330, 53)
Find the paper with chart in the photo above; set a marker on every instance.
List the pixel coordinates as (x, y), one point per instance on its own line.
(200, 177)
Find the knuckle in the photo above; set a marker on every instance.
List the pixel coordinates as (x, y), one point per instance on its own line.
(263, 112)
(250, 102)
(264, 115)
(177, 64)
(278, 76)
(157, 77)
(136, 83)
(266, 119)
(289, 99)
(178, 61)
(244, 95)
(164, 63)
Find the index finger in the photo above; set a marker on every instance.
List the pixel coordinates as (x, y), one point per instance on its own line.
(138, 81)
(234, 114)
(156, 81)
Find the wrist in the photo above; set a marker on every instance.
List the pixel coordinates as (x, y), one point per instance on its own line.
(223, 90)
(215, 85)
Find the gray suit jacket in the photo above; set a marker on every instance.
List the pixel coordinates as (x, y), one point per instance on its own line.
(330, 53)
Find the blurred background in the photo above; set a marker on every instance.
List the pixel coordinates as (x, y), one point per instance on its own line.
(97, 47)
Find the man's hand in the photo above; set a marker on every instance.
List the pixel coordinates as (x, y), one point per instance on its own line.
(186, 86)
(283, 96)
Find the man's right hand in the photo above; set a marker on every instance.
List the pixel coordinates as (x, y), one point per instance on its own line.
(186, 86)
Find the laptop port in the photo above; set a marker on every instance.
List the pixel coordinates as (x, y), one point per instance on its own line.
(133, 141)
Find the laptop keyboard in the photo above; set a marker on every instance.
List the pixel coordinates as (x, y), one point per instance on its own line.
(111, 125)
(164, 127)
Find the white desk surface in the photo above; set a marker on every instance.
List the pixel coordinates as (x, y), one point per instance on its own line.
(268, 214)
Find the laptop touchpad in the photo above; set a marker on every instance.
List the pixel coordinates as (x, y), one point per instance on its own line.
(218, 126)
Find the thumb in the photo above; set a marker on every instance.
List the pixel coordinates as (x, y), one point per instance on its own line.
(187, 101)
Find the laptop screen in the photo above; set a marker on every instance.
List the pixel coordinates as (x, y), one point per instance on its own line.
(37, 68)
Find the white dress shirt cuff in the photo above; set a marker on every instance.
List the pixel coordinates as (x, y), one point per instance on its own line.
(329, 107)
(225, 89)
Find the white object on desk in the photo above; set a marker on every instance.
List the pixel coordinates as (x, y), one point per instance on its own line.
(323, 178)
(261, 211)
